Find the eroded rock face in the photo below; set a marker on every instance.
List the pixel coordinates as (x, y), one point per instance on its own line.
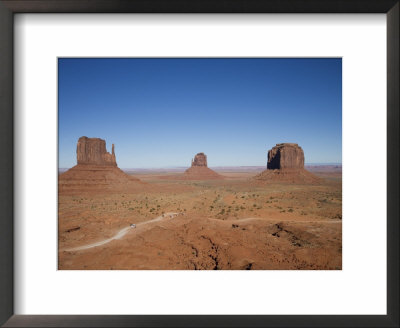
(199, 170)
(286, 165)
(96, 170)
(285, 156)
(93, 151)
(200, 160)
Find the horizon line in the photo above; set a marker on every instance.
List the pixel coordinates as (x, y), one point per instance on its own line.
(218, 166)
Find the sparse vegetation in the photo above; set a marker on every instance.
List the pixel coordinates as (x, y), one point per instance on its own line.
(100, 215)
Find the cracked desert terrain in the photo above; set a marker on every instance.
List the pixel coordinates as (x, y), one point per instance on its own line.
(234, 223)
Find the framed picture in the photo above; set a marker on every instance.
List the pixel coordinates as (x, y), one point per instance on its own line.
(155, 154)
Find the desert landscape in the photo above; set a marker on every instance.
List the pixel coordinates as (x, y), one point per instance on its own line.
(210, 163)
(283, 216)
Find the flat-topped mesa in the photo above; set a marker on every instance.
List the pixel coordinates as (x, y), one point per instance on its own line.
(200, 160)
(286, 165)
(199, 169)
(93, 151)
(285, 156)
(96, 170)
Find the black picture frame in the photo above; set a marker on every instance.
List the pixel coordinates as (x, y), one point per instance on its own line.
(10, 7)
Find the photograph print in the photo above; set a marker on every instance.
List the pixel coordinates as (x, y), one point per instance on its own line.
(200, 163)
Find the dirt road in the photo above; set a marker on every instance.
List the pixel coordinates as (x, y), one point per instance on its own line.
(122, 232)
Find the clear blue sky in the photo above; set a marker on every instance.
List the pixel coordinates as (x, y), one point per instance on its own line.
(161, 112)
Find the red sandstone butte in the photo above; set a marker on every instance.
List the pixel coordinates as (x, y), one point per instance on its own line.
(199, 160)
(199, 169)
(93, 151)
(286, 164)
(96, 169)
(285, 156)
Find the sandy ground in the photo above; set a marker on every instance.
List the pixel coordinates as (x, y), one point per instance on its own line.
(235, 223)
(134, 228)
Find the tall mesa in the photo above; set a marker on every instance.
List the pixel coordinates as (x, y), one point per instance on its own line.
(93, 151)
(199, 169)
(286, 164)
(96, 169)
